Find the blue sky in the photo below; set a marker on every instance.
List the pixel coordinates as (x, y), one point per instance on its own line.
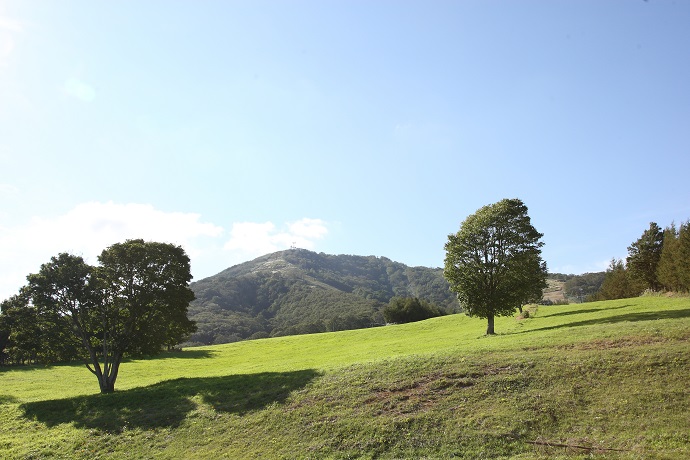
(237, 128)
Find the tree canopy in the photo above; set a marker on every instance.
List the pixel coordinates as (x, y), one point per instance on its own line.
(658, 260)
(618, 284)
(644, 255)
(673, 271)
(134, 303)
(410, 309)
(494, 261)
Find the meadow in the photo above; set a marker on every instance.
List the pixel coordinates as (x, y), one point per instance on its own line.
(602, 379)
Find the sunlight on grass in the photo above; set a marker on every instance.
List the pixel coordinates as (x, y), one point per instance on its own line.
(603, 374)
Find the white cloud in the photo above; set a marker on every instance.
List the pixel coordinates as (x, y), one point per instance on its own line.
(8, 189)
(10, 24)
(252, 239)
(308, 228)
(80, 90)
(89, 228)
(8, 29)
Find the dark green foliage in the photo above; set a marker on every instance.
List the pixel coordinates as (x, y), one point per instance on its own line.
(409, 309)
(299, 291)
(657, 260)
(673, 271)
(28, 337)
(494, 262)
(668, 272)
(643, 257)
(618, 284)
(581, 287)
(147, 283)
(683, 261)
(134, 303)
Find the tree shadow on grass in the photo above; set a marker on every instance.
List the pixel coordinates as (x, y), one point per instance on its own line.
(7, 399)
(184, 354)
(577, 312)
(632, 317)
(166, 404)
(181, 354)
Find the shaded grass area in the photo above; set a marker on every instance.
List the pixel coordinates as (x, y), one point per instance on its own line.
(168, 403)
(627, 317)
(606, 379)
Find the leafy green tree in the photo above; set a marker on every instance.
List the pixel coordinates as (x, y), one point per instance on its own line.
(28, 336)
(644, 255)
(683, 261)
(494, 261)
(409, 309)
(618, 284)
(22, 344)
(667, 270)
(134, 303)
(19, 331)
(673, 271)
(147, 285)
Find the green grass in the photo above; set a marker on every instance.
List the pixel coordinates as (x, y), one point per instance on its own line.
(605, 379)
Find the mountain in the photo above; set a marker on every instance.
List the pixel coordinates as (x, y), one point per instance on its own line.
(299, 291)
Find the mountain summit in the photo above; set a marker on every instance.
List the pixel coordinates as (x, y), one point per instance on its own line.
(297, 291)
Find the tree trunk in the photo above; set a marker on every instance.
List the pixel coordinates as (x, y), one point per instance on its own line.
(107, 381)
(107, 386)
(490, 326)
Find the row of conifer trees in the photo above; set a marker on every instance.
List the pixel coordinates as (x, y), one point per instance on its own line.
(658, 261)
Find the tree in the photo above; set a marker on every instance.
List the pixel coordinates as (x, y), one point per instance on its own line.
(683, 260)
(667, 271)
(644, 255)
(618, 284)
(494, 262)
(134, 303)
(20, 331)
(409, 309)
(33, 337)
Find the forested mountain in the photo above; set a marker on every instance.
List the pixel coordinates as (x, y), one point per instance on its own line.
(298, 291)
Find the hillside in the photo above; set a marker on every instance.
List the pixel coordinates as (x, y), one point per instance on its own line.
(298, 291)
(594, 380)
(573, 288)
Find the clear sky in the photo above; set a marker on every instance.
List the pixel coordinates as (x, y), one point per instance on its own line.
(238, 128)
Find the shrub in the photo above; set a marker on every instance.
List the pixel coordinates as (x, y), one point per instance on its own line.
(410, 309)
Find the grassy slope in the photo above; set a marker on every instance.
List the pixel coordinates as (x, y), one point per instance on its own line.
(607, 375)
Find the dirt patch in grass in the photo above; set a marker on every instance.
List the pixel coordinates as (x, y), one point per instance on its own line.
(419, 395)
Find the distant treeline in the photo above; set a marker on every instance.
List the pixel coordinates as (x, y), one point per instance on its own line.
(658, 261)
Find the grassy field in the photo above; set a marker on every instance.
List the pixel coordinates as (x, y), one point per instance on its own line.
(606, 379)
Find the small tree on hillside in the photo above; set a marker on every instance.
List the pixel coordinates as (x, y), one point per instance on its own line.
(644, 255)
(617, 283)
(494, 262)
(683, 262)
(667, 270)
